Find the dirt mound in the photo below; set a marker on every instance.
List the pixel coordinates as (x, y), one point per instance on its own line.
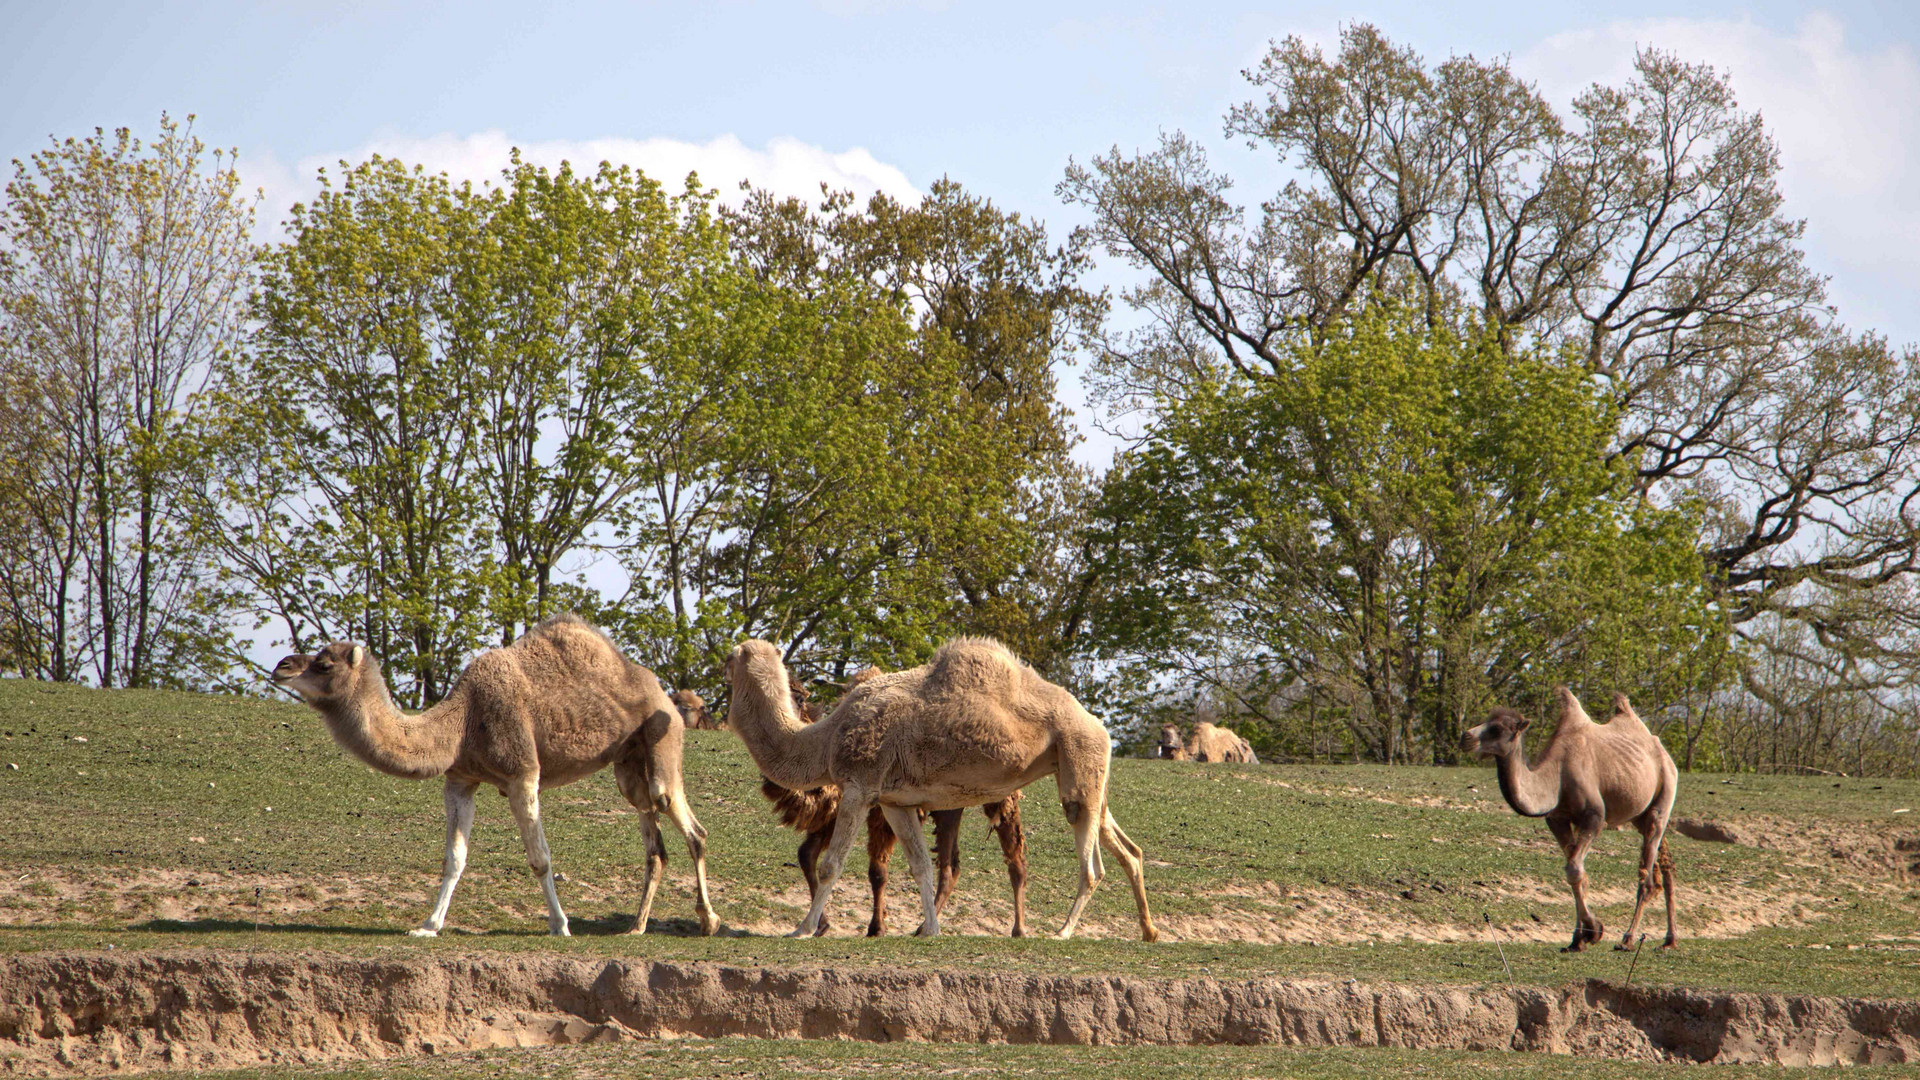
(93, 1012)
(1867, 849)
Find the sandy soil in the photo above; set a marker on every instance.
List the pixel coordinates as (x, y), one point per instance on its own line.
(70, 1013)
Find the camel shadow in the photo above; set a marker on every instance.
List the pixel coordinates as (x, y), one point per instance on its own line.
(232, 926)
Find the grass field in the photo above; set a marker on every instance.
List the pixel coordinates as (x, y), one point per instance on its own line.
(143, 820)
(791, 1060)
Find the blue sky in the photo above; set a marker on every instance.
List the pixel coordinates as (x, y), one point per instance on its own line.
(891, 95)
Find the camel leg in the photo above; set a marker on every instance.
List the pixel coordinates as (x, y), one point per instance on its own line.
(946, 854)
(1086, 822)
(1587, 928)
(458, 798)
(1013, 846)
(853, 811)
(1133, 865)
(656, 867)
(906, 825)
(674, 803)
(523, 795)
(1666, 885)
(809, 857)
(1652, 838)
(880, 841)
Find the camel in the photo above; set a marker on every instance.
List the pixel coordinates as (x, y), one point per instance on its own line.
(693, 709)
(1208, 743)
(972, 725)
(1590, 777)
(558, 705)
(815, 813)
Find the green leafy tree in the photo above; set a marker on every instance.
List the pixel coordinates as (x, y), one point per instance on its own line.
(1396, 526)
(122, 277)
(1643, 229)
(354, 411)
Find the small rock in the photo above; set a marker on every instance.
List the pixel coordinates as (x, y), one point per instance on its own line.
(12, 766)
(196, 839)
(83, 738)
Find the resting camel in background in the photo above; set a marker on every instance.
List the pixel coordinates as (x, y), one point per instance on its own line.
(1207, 743)
(1590, 777)
(816, 811)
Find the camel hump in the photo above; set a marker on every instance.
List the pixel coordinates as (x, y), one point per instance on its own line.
(1570, 710)
(978, 665)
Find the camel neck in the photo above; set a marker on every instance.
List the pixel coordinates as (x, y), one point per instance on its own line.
(787, 750)
(416, 747)
(1532, 791)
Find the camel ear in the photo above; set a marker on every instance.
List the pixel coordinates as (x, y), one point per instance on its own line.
(1621, 704)
(359, 654)
(1522, 725)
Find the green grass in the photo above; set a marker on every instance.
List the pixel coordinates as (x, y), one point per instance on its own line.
(703, 1059)
(156, 833)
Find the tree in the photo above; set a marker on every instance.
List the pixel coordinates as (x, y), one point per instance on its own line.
(1400, 524)
(1644, 230)
(125, 271)
(346, 498)
(986, 286)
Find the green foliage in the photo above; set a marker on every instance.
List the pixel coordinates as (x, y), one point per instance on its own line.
(123, 265)
(1398, 526)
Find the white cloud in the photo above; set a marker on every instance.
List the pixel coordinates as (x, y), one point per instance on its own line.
(1844, 117)
(785, 166)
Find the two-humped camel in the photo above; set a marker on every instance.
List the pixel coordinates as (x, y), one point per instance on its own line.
(1208, 743)
(558, 705)
(1590, 777)
(815, 813)
(972, 725)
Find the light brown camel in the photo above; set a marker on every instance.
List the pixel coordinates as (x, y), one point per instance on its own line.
(815, 812)
(557, 705)
(1590, 777)
(972, 725)
(1207, 743)
(693, 709)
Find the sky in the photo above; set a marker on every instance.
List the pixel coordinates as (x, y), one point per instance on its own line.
(890, 95)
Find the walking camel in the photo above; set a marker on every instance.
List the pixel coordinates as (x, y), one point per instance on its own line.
(972, 725)
(1590, 777)
(558, 705)
(816, 811)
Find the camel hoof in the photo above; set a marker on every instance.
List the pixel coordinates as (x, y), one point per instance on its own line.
(639, 928)
(1018, 931)
(1669, 944)
(1150, 934)
(1623, 947)
(802, 931)
(423, 931)
(709, 924)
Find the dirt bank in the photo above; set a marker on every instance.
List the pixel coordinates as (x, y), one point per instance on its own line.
(94, 1012)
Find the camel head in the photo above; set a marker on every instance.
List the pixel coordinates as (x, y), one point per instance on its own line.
(1498, 737)
(328, 675)
(1170, 746)
(693, 708)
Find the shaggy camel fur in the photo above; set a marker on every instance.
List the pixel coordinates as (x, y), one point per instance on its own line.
(557, 705)
(693, 709)
(1208, 743)
(972, 725)
(1590, 777)
(815, 813)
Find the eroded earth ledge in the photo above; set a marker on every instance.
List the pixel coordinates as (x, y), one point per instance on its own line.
(95, 1012)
